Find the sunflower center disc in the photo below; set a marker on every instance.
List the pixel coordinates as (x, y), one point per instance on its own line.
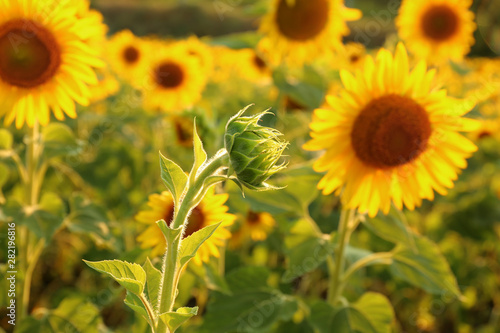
(391, 130)
(259, 62)
(131, 54)
(440, 22)
(169, 75)
(304, 20)
(253, 218)
(196, 220)
(29, 54)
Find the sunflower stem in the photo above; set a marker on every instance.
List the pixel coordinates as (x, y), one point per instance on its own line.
(171, 270)
(32, 187)
(336, 264)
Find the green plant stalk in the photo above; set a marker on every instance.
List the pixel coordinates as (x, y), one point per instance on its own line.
(336, 265)
(171, 262)
(32, 187)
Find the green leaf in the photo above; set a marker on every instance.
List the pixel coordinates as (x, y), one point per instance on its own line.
(390, 228)
(58, 139)
(170, 234)
(174, 320)
(87, 218)
(191, 244)
(153, 281)
(426, 267)
(372, 313)
(134, 302)
(43, 220)
(247, 278)
(173, 177)
(6, 139)
(214, 280)
(130, 276)
(306, 256)
(200, 156)
(248, 311)
(74, 314)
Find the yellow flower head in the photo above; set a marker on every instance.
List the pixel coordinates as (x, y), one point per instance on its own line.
(299, 30)
(127, 55)
(210, 210)
(390, 135)
(46, 62)
(437, 30)
(175, 79)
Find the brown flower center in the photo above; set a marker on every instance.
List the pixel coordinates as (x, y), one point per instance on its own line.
(29, 54)
(196, 219)
(390, 131)
(131, 54)
(440, 22)
(169, 75)
(304, 20)
(259, 62)
(253, 218)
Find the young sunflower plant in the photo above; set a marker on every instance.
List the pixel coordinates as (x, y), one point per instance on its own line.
(250, 157)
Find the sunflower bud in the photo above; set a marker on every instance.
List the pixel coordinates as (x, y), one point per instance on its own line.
(253, 150)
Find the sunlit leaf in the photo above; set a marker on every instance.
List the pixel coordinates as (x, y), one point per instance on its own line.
(130, 276)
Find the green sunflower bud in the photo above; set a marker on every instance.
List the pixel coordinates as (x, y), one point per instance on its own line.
(254, 150)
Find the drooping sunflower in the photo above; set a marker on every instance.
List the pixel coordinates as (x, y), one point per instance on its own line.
(299, 30)
(44, 62)
(210, 210)
(127, 55)
(390, 135)
(175, 79)
(437, 30)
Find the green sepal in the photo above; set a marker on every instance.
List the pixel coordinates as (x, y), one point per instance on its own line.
(131, 276)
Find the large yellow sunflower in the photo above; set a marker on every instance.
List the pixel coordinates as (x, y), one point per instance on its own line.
(128, 56)
(298, 30)
(437, 30)
(175, 79)
(44, 62)
(210, 210)
(390, 135)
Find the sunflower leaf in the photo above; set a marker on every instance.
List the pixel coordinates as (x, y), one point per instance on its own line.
(173, 177)
(424, 267)
(130, 276)
(192, 243)
(153, 281)
(134, 302)
(200, 156)
(174, 320)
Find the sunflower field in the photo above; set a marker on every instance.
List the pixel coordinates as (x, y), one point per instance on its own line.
(213, 166)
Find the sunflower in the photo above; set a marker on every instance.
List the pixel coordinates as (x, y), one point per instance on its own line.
(175, 79)
(209, 211)
(107, 86)
(257, 225)
(299, 30)
(251, 66)
(127, 56)
(390, 135)
(437, 30)
(44, 62)
(202, 52)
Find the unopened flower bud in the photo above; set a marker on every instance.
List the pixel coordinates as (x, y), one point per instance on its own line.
(254, 150)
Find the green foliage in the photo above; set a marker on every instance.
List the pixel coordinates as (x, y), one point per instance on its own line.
(131, 276)
(153, 282)
(6, 139)
(173, 177)
(252, 306)
(174, 320)
(200, 156)
(59, 140)
(192, 243)
(372, 313)
(424, 267)
(75, 314)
